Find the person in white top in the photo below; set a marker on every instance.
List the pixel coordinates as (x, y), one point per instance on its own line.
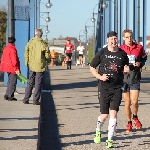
(80, 49)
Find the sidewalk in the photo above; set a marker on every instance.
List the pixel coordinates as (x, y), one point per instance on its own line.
(75, 96)
(18, 123)
(28, 127)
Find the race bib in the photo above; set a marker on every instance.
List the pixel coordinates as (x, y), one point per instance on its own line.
(131, 58)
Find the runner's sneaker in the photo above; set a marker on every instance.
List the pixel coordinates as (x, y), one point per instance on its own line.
(109, 144)
(137, 123)
(129, 127)
(97, 138)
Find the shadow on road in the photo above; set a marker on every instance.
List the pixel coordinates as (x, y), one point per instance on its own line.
(74, 85)
(48, 135)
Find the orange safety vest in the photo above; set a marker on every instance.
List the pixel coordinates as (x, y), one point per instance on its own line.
(53, 54)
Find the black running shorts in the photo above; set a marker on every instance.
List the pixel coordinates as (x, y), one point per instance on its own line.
(69, 55)
(80, 55)
(109, 98)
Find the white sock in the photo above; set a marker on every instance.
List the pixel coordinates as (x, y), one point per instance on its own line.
(111, 128)
(99, 124)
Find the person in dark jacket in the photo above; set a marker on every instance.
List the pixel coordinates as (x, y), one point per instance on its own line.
(10, 64)
(137, 58)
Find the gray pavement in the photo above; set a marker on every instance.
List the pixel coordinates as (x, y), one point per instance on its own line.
(28, 127)
(18, 123)
(74, 93)
(69, 108)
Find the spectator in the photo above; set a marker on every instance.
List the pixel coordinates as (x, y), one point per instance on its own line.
(36, 57)
(10, 64)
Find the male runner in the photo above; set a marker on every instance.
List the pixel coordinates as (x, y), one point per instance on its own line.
(68, 51)
(131, 88)
(112, 62)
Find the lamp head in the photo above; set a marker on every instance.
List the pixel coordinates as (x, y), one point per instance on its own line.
(48, 5)
(104, 5)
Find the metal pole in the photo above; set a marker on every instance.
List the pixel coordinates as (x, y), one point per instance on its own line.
(75, 53)
(110, 18)
(144, 23)
(86, 58)
(46, 38)
(38, 13)
(35, 13)
(138, 21)
(103, 27)
(11, 23)
(94, 40)
(117, 16)
(120, 19)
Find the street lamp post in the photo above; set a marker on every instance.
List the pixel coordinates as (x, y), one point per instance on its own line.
(46, 37)
(48, 5)
(47, 19)
(80, 35)
(93, 20)
(87, 51)
(46, 30)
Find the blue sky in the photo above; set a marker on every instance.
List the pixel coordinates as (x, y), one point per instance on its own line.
(68, 17)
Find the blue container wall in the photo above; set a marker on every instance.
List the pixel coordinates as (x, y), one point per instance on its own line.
(21, 34)
(128, 18)
(32, 18)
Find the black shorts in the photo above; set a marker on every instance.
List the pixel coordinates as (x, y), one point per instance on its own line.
(69, 55)
(80, 55)
(109, 98)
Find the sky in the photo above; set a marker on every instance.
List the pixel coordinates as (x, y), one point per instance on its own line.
(68, 17)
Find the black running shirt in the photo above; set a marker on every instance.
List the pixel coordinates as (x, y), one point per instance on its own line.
(112, 64)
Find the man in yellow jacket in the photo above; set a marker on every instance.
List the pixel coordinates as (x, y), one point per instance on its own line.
(36, 56)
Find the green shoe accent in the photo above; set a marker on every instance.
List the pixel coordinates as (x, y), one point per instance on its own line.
(109, 144)
(97, 138)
